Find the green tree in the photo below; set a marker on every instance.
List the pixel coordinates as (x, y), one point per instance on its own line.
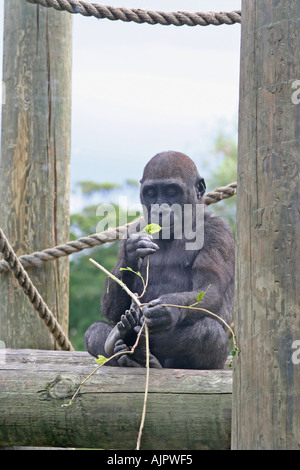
(86, 287)
(89, 188)
(86, 282)
(223, 173)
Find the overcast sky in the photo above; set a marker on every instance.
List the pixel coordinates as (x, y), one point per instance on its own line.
(141, 89)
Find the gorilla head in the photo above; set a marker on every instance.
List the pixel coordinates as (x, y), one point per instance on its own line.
(170, 180)
(171, 175)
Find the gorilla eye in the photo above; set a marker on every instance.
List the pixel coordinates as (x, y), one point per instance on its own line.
(150, 193)
(172, 192)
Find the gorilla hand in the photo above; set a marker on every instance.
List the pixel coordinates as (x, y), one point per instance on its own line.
(159, 318)
(124, 360)
(138, 358)
(123, 328)
(139, 245)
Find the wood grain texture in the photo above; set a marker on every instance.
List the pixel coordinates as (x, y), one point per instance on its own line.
(266, 391)
(187, 409)
(35, 161)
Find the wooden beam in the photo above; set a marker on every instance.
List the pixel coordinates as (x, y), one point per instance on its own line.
(187, 409)
(35, 163)
(266, 390)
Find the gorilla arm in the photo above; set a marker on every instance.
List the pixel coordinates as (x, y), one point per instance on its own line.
(162, 315)
(114, 299)
(212, 273)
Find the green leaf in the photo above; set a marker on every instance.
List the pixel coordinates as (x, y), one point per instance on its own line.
(101, 359)
(130, 269)
(152, 228)
(233, 353)
(200, 296)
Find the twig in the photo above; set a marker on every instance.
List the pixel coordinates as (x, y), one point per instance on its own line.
(210, 313)
(145, 284)
(140, 305)
(104, 362)
(134, 297)
(138, 444)
(118, 281)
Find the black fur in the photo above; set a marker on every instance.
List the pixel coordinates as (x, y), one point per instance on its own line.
(179, 337)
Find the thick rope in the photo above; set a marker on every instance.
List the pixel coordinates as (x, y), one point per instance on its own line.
(109, 235)
(220, 193)
(68, 248)
(30, 290)
(178, 18)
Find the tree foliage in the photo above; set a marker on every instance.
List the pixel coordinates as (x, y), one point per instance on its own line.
(86, 285)
(223, 173)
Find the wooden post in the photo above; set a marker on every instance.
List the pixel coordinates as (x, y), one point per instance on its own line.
(186, 409)
(35, 160)
(266, 390)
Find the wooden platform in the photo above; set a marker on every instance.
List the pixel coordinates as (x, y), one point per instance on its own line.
(187, 409)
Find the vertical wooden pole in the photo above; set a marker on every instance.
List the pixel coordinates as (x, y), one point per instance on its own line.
(266, 391)
(35, 160)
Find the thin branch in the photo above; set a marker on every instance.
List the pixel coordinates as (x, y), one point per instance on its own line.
(120, 353)
(206, 311)
(145, 284)
(134, 297)
(138, 444)
(118, 281)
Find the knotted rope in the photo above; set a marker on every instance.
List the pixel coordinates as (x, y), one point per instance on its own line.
(109, 235)
(30, 290)
(137, 15)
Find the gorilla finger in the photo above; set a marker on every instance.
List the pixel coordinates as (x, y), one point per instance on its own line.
(131, 319)
(121, 327)
(142, 252)
(148, 244)
(120, 347)
(123, 360)
(153, 312)
(155, 302)
(135, 310)
(157, 322)
(137, 329)
(136, 315)
(125, 321)
(145, 312)
(118, 342)
(134, 236)
(145, 236)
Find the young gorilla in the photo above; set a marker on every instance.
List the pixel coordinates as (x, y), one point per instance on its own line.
(178, 272)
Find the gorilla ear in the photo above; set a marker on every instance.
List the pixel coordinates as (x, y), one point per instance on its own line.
(200, 187)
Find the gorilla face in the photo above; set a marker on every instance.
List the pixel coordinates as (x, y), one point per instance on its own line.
(163, 203)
